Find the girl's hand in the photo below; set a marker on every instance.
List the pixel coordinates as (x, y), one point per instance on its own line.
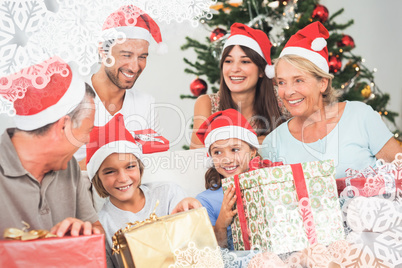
(225, 217)
(227, 212)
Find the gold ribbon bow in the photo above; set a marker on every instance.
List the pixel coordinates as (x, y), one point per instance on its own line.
(130, 226)
(23, 234)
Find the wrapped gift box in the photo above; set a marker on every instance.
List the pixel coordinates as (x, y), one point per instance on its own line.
(274, 219)
(182, 239)
(370, 181)
(367, 187)
(81, 251)
(150, 141)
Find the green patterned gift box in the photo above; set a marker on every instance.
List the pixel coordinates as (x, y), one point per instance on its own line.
(273, 217)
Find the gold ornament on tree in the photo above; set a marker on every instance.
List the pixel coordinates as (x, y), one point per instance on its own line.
(398, 138)
(366, 91)
(219, 5)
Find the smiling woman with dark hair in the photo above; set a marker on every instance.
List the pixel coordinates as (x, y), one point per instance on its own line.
(245, 85)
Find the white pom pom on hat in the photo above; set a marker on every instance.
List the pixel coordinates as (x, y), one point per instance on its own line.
(162, 49)
(318, 44)
(270, 71)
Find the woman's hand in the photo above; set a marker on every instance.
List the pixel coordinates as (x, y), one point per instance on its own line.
(225, 217)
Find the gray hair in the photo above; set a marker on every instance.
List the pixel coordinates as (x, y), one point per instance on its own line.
(82, 111)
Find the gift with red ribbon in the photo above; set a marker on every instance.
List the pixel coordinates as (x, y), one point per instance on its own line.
(82, 251)
(150, 142)
(372, 181)
(257, 163)
(285, 208)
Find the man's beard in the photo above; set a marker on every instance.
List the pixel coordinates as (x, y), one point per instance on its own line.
(115, 80)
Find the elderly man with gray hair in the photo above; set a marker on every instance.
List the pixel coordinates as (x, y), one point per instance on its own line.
(40, 181)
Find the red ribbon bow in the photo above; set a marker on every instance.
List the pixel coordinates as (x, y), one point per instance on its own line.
(257, 163)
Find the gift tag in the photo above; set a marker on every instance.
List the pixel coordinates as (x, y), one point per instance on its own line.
(149, 137)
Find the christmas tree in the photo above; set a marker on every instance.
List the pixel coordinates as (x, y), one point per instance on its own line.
(280, 20)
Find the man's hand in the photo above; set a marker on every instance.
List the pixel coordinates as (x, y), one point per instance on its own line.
(186, 204)
(76, 227)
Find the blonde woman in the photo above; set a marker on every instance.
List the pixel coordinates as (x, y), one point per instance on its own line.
(350, 132)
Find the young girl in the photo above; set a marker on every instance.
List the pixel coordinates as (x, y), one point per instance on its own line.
(245, 83)
(115, 168)
(232, 143)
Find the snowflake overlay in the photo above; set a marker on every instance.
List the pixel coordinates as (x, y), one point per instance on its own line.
(376, 233)
(194, 257)
(191, 10)
(14, 86)
(32, 31)
(6, 106)
(219, 258)
(19, 21)
(375, 223)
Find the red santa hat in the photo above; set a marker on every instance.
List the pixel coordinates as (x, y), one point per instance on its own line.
(108, 139)
(310, 43)
(224, 125)
(131, 22)
(51, 92)
(257, 40)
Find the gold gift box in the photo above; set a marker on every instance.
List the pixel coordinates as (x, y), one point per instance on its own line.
(178, 240)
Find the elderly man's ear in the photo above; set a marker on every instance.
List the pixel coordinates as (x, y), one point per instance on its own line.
(61, 127)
